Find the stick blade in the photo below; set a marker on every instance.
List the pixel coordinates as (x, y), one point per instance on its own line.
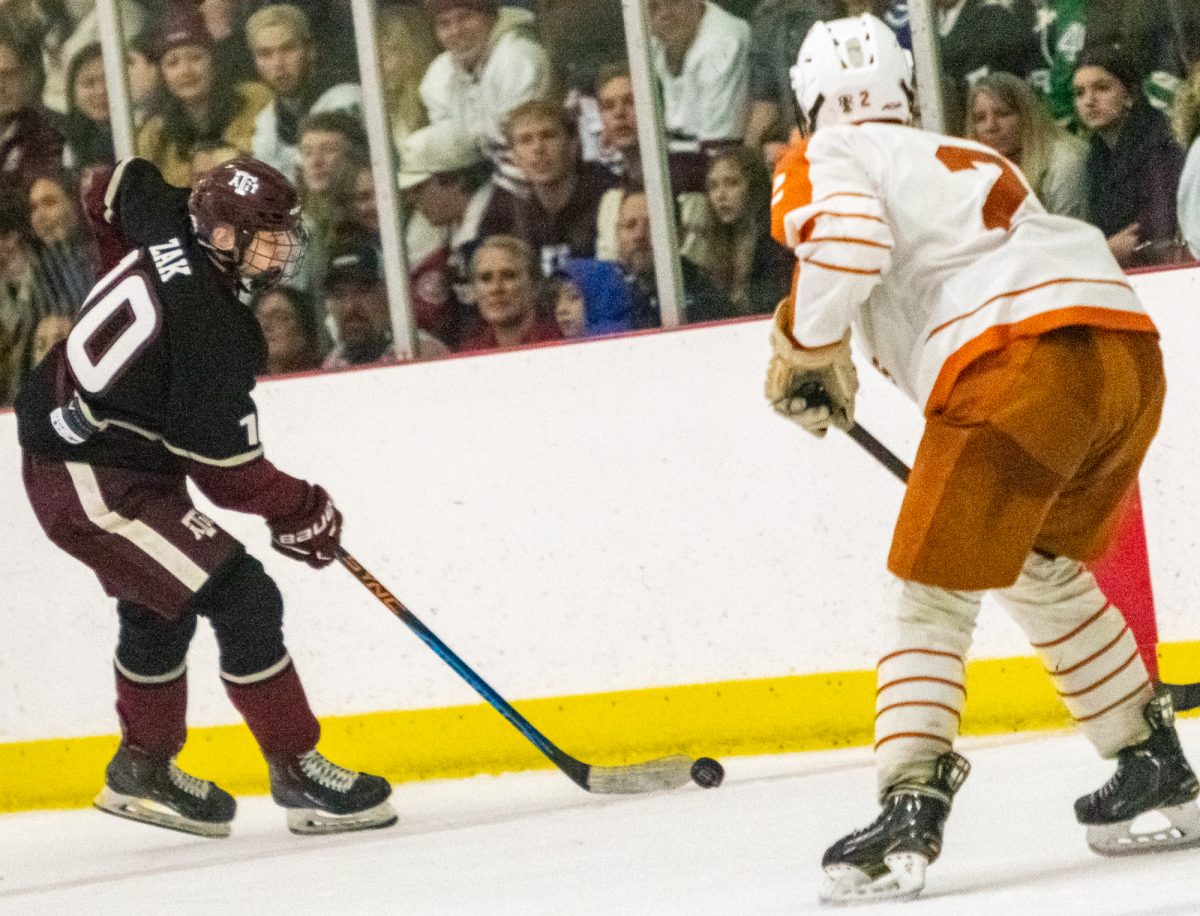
(1184, 697)
(635, 778)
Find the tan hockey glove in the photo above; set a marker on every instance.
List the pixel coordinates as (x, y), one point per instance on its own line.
(814, 388)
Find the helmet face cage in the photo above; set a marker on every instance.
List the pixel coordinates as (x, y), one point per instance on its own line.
(274, 256)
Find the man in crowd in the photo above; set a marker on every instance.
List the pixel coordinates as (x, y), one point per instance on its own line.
(356, 297)
(285, 57)
(445, 177)
(776, 33)
(701, 59)
(981, 36)
(703, 300)
(492, 64)
(558, 215)
(29, 142)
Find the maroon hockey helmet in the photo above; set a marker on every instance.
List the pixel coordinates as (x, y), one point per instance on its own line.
(250, 197)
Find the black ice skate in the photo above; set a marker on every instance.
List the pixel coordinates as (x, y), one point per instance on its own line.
(1151, 776)
(322, 797)
(155, 791)
(887, 860)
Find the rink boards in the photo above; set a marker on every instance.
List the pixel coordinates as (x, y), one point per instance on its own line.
(618, 535)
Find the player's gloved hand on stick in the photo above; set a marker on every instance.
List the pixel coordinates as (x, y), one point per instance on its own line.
(814, 388)
(313, 534)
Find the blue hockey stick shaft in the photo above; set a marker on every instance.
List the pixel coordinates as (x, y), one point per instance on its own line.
(654, 775)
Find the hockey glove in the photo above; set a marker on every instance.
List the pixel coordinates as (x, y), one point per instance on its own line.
(313, 534)
(814, 388)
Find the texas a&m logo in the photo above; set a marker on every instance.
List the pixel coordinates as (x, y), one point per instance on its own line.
(243, 183)
(199, 524)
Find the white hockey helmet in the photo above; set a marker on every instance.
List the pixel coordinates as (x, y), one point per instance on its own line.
(852, 70)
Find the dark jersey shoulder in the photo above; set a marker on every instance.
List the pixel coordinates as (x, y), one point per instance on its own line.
(163, 354)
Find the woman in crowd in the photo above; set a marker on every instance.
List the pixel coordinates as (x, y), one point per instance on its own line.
(1185, 118)
(504, 274)
(289, 323)
(407, 47)
(87, 127)
(734, 245)
(588, 298)
(196, 105)
(61, 249)
(1004, 113)
(1133, 163)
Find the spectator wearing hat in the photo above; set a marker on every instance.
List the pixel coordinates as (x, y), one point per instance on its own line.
(1133, 162)
(507, 282)
(491, 64)
(447, 180)
(29, 140)
(589, 298)
(558, 215)
(356, 298)
(701, 59)
(196, 105)
(285, 57)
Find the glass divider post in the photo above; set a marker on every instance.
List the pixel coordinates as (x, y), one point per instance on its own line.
(383, 169)
(112, 45)
(652, 149)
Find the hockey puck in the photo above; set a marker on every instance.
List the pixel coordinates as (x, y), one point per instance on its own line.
(707, 773)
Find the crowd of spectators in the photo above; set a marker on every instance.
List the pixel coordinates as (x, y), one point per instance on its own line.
(520, 170)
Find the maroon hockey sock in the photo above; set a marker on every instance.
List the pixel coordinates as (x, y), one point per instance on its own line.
(278, 714)
(153, 716)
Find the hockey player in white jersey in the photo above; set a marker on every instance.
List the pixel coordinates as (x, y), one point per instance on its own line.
(1040, 378)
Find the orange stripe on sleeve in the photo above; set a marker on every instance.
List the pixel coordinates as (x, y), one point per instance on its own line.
(851, 241)
(845, 270)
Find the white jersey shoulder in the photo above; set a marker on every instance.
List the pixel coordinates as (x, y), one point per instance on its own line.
(937, 250)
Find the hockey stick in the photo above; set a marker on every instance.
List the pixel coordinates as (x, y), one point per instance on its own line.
(651, 776)
(1184, 697)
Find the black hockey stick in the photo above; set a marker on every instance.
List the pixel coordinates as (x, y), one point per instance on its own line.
(651, 776)
(1183, 696)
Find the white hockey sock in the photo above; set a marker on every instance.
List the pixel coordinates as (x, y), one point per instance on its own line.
(921, 682)
(1087, 648)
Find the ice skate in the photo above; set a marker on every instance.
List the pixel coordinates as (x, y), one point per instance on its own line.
(1153, 776)
(322, 797)
(887, 860)
(155, 791)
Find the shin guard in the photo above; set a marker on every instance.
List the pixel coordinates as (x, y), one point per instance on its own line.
(921, 683)
(1087, 648)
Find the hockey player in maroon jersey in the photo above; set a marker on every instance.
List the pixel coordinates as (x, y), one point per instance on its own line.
(152, 388)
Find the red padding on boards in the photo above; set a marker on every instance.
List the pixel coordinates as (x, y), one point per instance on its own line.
(1124, 577)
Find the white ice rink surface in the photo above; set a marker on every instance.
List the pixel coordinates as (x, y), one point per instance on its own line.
(534, 844)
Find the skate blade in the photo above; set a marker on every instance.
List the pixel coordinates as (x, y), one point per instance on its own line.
(147, 811)
(1121, 840)
(846, 885)
(314, 822)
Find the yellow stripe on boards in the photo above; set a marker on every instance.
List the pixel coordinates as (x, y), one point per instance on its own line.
(768, 716)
